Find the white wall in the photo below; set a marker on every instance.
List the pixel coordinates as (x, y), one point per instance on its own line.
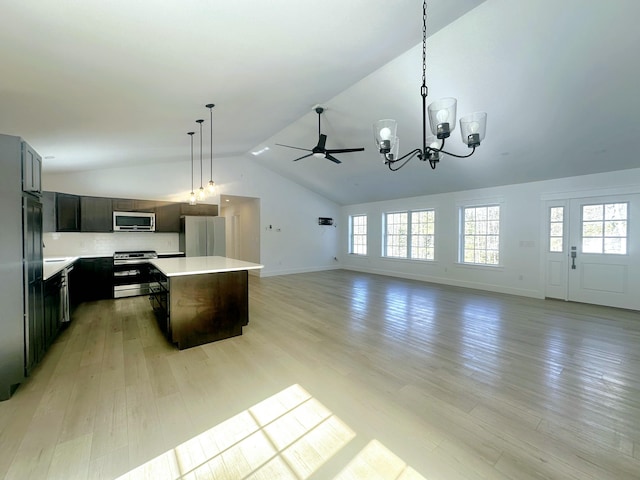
(523, 230)
(248, 235)
(295, 243)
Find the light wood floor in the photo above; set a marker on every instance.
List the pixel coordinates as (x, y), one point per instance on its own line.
(339, 374)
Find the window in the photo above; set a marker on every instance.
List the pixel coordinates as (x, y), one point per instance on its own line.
(423, 234)
(358, 234)
(604, 228)
(481, 235)
(410, 235)
(396, 234)
(556, 229)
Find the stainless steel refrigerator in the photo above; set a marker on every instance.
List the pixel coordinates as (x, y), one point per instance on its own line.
(202, 236)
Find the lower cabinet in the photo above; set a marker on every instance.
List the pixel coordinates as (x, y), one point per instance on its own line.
(52, 309)
(92, 280)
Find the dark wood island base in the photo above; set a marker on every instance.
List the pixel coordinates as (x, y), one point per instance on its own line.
(198, 308)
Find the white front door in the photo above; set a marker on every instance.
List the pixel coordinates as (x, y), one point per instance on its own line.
(603, 255)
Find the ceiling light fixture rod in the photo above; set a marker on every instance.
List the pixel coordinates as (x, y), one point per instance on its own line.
(192, 195)
(211, 186)
(442, 117)
(201, 194)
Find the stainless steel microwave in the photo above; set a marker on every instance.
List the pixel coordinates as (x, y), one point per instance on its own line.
(134, 222)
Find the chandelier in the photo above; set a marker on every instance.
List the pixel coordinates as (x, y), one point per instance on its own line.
(442, 120)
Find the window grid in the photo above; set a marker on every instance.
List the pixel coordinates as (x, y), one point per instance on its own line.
(423, 234)
(481, 240)
(604, 228)
(410, 234)
(556, 229)
(396, 234)
(358, 234)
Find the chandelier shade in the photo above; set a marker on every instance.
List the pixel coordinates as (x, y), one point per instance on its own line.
(442, 116)
(473, 128)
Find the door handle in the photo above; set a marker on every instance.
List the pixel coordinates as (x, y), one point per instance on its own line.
(573, 258)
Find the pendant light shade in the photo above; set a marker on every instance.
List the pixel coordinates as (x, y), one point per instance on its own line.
(211, 186)
(201, 193)
(192, 195)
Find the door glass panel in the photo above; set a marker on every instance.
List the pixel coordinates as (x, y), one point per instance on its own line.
(604, 228)
(556, 229)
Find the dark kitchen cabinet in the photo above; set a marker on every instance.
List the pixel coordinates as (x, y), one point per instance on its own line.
(67, 212)
(96, 214)
(20, 262)
(168, 218)
(52, 309)
(93, 280)
(202, 209)
(122, 204)
(133, 205)
(144, 206)
(31, 170)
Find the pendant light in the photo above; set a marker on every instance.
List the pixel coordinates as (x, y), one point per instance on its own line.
(201, 193)
(192, 195)
(211, 186)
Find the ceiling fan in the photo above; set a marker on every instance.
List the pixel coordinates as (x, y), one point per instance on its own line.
(319, 151)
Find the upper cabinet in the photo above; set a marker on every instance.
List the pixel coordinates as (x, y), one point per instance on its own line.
(133, 205)
(167, 217)
(31, 170)
(63, 212)
(67, 212)
(96, 214)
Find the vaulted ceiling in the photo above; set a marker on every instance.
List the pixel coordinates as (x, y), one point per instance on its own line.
(96, 84)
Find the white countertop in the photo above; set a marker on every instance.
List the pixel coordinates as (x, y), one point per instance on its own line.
(172, 267)
(53, 265)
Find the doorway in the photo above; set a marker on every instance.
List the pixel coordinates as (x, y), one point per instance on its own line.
(592, 250)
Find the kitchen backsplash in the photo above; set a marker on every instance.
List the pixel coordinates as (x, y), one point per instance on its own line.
(77, 244)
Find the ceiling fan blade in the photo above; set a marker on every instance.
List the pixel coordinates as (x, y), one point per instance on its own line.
(291, 146)
(328, 156)
(345, 150)
(304, 156)
(322, 141)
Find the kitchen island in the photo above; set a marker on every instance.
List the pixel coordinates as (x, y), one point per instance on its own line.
(199, 300)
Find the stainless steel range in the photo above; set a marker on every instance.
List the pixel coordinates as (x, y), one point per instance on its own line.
(131, 273)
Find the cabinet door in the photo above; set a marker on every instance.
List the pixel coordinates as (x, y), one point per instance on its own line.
(168, 218)
(144, 206)
(31, 169)
(95, 278)
(96, 214)
(202, 209)
(52, 309)
(67, 212)
(123, 204)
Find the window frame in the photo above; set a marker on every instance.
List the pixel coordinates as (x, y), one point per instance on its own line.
(409, 237)
(462, 235)
(353, 235)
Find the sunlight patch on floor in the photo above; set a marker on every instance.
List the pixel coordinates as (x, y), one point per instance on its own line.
(289, 435)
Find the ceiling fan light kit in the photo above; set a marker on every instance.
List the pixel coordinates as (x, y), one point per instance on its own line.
(320, 150)
(442, 120)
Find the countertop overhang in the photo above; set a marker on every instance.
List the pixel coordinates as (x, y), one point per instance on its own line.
(51, 266)
(172, 267)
